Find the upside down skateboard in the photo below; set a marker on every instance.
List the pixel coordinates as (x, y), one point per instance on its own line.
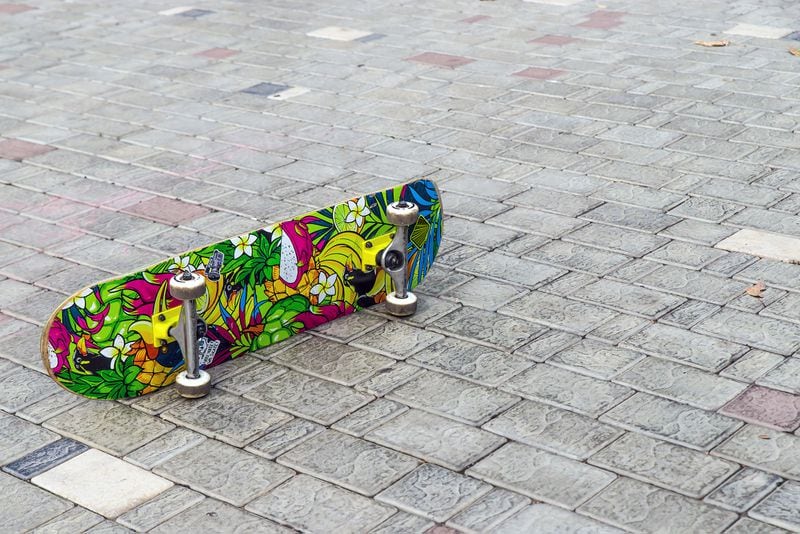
(134, 334)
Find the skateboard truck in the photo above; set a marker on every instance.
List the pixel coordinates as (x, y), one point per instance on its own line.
(188, 287)
(392, 259)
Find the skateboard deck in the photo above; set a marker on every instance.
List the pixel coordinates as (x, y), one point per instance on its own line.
(269, 285)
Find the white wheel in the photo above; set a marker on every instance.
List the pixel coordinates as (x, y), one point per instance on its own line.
(188, 288)
(401, 307)
(193, 388)
(402, 213)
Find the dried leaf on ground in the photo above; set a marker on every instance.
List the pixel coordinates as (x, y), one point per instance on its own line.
(756, 289)
(795, 51)
(721, 42)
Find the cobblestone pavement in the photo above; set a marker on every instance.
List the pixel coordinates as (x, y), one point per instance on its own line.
(591, 352)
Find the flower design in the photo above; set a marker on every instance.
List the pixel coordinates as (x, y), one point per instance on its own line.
(78, 300)
(118, 349)
(274, 231)
(243, 245)
(324, 286)
(58, 346)
(181, 264)
(357, 211)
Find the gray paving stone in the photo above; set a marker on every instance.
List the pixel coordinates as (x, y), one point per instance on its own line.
(758, 332)
(167, 505)
(630, 299)
(620, 327)
(630, 217)
(750, 526)
(435, 439)
(164, 447)
(752, 195)
(504, 268)
(214, 516)
(349, 327)
(633, 270)
(580, 393)
(546, 345)
(541, 475)
(700, 232)
(670, 466)
(41, 460)
(473, 362)
(539, 198)
(543, 518)
(370, 416)
(693, 284)
(250, 376)
(743, 490)
(685, 347)
(223, 472)
(226, 417)
(451, 397)
(489, 511)
(774, 273)
(649, 137)
(434, 492)
(780, 508)
(332, 361)
(752, 365)
(476, 234)
(396, 340)
(25, 506)
(558, 312)
(620, 240)
(76, 519)
(569, 283)
(486, 327)
(764, 449)
(282, 439)
(680, 383)
(671, 421)
(18, 438)
(595, 359)
(535, 221)
(309, 397)
(785, 376)
(689, 314)
(565, 181)
(637, 506)
(706, 209)
(479, 293)
(577, 257)
(349, 462)
(684, 254)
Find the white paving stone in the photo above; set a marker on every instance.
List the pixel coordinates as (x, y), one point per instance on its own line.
(337, 33)
(754, 30)
(102, 483)
(764, 244)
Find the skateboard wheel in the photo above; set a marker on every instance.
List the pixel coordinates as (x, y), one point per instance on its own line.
(187, 288)
(193, 388)
(401, 307)
(402, 213)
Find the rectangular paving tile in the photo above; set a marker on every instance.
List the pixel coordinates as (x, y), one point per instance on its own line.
(223, 472)
(435, 439)
(759, 332)
(680, 383)
(594, 358)
(25, 506)
(19, 438)
(488, 511)
(630, 217)
(763, 244)
(683, 346)
(108, 485)
(490, 328)
(558, 312)
(774, 273)
(321, 401)
(155, 511)
(370, 416)
(560, 387)
(553, 429)
(640, 507)
(211, 515)
(740, 492)
(451, 397)
(396, 340)
(629, 299)
(673, 467)
(47, 457)
(511, 269)
(671, 421)
(537, 222)
(764, 449)
(434, 492)
(541, 475)
(546, 518)
(282, 439)
(578, 257)
(766, 407)
(350, 462)
(693, 284)
(780, 508)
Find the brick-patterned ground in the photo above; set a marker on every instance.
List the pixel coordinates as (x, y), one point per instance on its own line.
(584, 357)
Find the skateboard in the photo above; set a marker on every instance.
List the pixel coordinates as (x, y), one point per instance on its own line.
(134, 334)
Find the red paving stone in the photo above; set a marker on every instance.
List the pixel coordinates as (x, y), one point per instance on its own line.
(217, 53)
(539, 73)
(476, 18)
(557, 40)
(440, 60)
(13, 9)
(603, 20)
(18, 150)
(766, 407)
(168, 210)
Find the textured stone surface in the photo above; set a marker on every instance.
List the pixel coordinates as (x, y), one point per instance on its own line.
(350, 462)
(558, 312)
(595, 359)
(18, 437)
(541, 475)
(370, 416)
(780, 508)
(284, 438)
(762, 448)
(489, 511)
(767, 407)
(166, 505)
(45, 458)
(544, 518)
(332, 361)
(637, 506)
(743, 490)
(436, 439)
(433, 492)
(630, 299)
(491, 328)
(758, 332)
(214, 516)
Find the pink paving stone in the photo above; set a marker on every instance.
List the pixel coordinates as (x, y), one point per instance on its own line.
(476, 18)
(128, 199)
(217, 53)
(18, 150)
(168, 210)
(766, 407)
(440, 60)
(557, 40)
(539, 73)
(600, 24)
(13, 9)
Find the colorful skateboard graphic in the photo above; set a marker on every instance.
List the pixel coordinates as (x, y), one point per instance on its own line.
(109, 340)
